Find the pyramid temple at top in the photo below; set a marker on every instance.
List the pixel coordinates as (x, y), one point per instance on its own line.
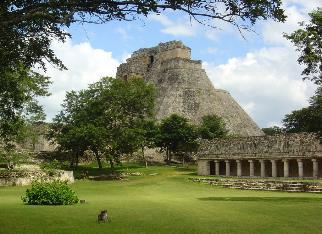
(184, 88)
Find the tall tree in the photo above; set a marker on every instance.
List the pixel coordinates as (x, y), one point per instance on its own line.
(308, 41)
(177, 136)
(105, 118)
(307, 119)
(19, 90)
(212, 126)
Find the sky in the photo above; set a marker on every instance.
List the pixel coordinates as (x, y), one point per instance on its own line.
(260, 72)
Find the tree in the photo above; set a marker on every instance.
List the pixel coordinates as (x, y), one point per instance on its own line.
(19, 90)
(212, 126)
(307, 119)
(105, 118)
(272, 130)
(308, 41)
(28, 27)
(69, 130)
(149, 132)
(177, 136)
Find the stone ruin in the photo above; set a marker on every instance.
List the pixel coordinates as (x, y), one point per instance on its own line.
(286, 155)
(184, 88)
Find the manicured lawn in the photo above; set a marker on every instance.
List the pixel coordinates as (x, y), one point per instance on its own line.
(164, 203)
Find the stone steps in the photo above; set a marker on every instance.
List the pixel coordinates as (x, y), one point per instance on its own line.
(287, 186)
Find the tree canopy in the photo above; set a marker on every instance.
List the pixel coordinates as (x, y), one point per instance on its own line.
(273, 130)
(106, 119)
(28, 27)
(18, 92)
(177, 136)
(212, 126)
(307, 119)
(308, 41)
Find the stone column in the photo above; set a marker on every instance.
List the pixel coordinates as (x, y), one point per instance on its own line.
(251, 168)
(227, 167)
(217, 167)
(203, 167)
(286, 168)
(239, 168)
(262, 168)
(274, 169)
(300, 165)
(315, 168)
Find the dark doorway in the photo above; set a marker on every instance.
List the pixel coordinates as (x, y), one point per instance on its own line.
(212, 168)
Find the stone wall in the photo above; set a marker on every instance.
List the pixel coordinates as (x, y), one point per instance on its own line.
(183, 87)
(265, 147)
(26, 177)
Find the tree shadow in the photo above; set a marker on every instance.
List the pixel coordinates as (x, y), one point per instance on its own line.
(262, 199)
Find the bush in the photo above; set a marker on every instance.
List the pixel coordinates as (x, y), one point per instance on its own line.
(50, 193)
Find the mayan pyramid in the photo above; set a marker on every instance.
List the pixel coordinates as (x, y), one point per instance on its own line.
(183, 87)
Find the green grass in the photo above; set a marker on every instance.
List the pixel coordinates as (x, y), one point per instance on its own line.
(164, 203)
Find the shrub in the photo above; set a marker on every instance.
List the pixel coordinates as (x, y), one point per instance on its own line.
(50, 193)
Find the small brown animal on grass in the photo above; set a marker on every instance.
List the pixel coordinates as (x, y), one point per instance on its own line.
(103, 217)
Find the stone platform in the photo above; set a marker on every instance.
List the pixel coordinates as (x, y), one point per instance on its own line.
(266, 185)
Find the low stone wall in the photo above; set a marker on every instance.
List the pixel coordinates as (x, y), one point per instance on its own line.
(26, 177)
(268, 185)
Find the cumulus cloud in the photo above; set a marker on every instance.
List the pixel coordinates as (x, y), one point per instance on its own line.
(266, 83)
(296, 11)
(85, 65)
(180, 27)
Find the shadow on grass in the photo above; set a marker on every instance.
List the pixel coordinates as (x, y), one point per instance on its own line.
(262, 199)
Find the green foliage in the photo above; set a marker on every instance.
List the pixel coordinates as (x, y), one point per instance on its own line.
(272, 130)
(212, 126)
(308, 41)
(18, 92)
(12, 157)
(177, 136)
(107, 118)
(27, 28)
(307, 119)
(50, 193)
(51, 165)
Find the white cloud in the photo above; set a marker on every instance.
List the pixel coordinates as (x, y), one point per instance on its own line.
(210, 50)
(266, 83)
(296, 11)
(123, 33)
(85, 65)
(180, 27)
(125, 56)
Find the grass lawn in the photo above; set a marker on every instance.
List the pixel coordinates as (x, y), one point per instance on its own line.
(164, 203)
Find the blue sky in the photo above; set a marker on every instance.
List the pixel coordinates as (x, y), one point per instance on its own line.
(261, 72)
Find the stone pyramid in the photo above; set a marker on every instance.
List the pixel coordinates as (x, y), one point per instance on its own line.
(183, 87)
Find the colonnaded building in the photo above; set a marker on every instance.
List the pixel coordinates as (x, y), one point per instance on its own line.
(184, 88)
(286, 155)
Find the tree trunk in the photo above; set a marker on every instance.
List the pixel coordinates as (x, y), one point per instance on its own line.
(145, 161)
(71, 165)
(76, 161)
(98, 160)
(111, 163)
(168, 157)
